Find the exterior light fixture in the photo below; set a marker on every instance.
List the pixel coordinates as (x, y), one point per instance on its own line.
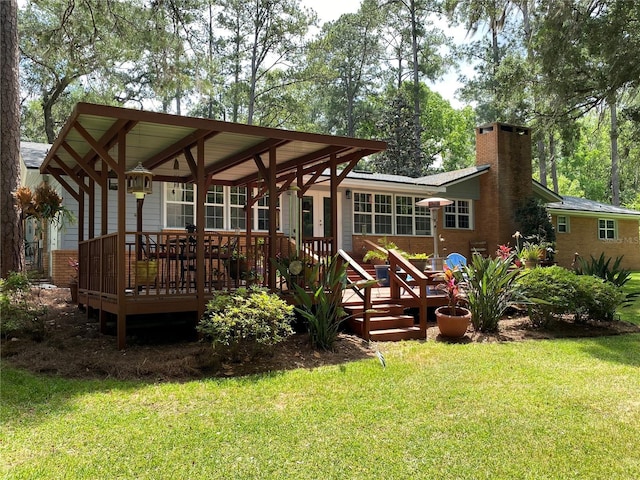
(139, 181)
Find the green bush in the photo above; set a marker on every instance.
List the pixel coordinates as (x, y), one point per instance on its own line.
(20, 313)
(488, 286)
(321, 305)
(245, 322)
(601, 267)
(556, 291)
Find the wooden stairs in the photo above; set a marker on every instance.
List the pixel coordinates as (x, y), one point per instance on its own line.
(388, 321)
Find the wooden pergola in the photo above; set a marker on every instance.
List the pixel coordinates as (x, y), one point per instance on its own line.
(99, 143)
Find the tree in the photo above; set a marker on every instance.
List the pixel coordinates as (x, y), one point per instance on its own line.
(409, 41)
(345, 63)
(12, 242)
(262, 36)
(67, 44)
(588, 56)
(447, 143)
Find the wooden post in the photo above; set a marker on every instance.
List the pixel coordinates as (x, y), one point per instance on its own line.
(334, 204)
(201, 181)
(121, 249)
(273, 232)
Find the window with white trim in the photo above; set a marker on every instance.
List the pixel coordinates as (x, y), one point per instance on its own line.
(387, 214)
(180, 205)
(214, 208)
(224, 207)
(383, 214)
(237, 201)
(458, 215)
(607, 229)
(562, 224)
(362, 213)
(411, 218)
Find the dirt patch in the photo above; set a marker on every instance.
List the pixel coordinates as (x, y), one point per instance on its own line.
(73, 347)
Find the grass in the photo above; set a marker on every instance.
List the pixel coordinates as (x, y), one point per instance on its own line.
(544, 409)
(540, 409)
(631, 313)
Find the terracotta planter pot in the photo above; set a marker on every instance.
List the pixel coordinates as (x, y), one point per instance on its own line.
(454, 326)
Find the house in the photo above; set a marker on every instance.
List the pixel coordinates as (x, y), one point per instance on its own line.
(322, 205)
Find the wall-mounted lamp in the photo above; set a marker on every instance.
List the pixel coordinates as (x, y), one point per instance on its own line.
(176, 164)
(348, 194)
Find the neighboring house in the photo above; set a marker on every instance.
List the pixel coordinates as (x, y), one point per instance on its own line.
(585, 227)
(376, 205)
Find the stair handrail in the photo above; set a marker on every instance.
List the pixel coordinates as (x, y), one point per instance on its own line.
(365, 283)
(400, 269)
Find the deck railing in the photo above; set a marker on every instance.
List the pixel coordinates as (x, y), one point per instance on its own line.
(166, 263)
(405, 277)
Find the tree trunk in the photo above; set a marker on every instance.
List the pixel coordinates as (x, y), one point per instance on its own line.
(552, 161)
(542, 161)
(12, 244)
(615, 175)
(416, 85)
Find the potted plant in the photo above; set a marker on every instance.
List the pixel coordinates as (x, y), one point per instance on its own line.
(237, 265)
(420, 260)
(453, 320)
(375, 257)
(531, 253)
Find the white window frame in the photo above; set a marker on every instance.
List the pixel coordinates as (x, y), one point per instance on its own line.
(606, 228)
(564, 223)
(367, 212)
(215, 190)
(454, 211)
(184, 203)
(228, 224)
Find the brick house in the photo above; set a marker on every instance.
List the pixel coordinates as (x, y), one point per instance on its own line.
(372, 206)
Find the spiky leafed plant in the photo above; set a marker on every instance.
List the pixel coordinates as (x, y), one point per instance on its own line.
(488, 285)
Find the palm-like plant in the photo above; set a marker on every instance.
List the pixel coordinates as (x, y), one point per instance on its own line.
(488, 284)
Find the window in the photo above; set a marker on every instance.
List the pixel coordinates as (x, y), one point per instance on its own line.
(562, 224)
(224, 207)
(237, 201)
(180, 205)
(263, 213)
(386, 214)
(214, 207)
(383, 209)
(411, 218)
(458, 215)
(607, 229)
(362, 207)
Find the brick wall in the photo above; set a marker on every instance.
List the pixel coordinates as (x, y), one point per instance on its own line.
(583, 239)
(507, 149)
(61, 271)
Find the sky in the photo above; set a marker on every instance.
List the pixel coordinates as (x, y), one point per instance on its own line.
(329, 10)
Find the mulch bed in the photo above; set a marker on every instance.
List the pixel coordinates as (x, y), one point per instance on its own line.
(73, 347)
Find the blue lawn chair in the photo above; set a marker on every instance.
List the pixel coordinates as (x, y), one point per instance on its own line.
(454, 260)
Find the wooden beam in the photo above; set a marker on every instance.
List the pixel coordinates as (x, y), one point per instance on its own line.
(55, 174)
(89, 170)
(178, 148)
(241, 157)
(273, 232)
(70, 173)
(192, 162)
(99, 149)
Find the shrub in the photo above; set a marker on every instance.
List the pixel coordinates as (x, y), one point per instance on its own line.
(600, 267)
(321, 306)
(489, 289)
(245, 321)
(21, 314)
(556, 291)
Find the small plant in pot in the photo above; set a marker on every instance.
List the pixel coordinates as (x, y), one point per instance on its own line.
(419, 260)
(453, 319)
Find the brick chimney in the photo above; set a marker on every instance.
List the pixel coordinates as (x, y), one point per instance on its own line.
(507, 149)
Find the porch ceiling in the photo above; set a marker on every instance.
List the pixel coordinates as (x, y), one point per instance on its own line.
(156, 140)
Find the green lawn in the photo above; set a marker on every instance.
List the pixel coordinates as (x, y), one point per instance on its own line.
(632, 312)
(539, 409)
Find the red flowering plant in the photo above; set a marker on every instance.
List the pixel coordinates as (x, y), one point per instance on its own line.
(451, 287)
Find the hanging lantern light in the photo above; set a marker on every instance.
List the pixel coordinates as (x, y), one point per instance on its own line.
(139, 181)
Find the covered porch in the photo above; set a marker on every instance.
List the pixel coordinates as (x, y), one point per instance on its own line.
(125, 271)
